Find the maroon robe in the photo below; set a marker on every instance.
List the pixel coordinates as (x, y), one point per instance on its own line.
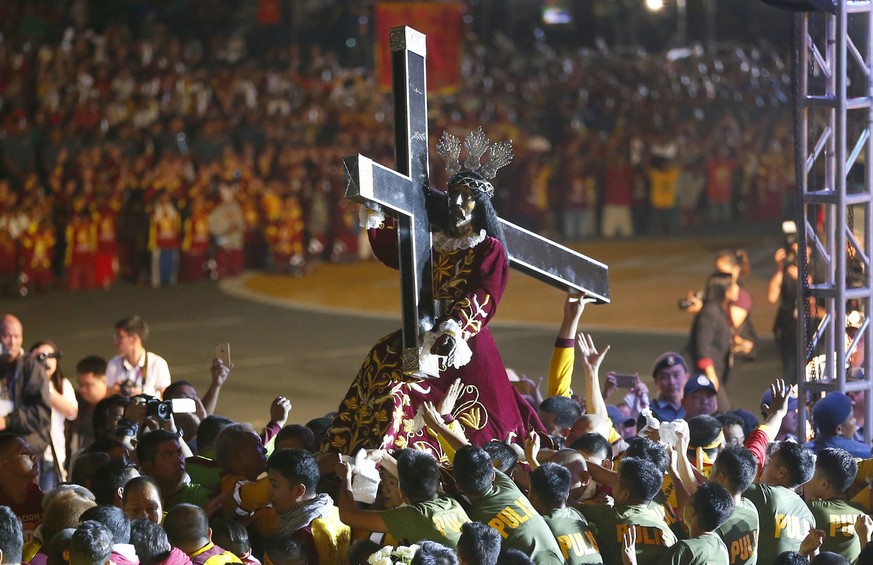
(379, 408)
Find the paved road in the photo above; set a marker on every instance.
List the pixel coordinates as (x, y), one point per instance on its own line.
(309, 356)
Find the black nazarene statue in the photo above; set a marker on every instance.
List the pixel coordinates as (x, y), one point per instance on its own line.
(470, 271)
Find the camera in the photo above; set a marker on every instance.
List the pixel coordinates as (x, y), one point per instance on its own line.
(789, 232)
(126, 388)
(42, 357)
(164, 409)
(686, 303)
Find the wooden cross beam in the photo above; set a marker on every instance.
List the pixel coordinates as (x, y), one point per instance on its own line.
(402, 193)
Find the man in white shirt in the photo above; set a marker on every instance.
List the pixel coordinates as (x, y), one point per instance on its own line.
(134, 370)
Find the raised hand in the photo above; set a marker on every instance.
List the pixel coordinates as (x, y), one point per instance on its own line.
(447, 404)
(629, 547)
(812, 542)
(532, 448)
(343, 471)
(220, 371)
(609, 384)
(864, 528)
(781, 395)
(280, 408)
(591, 358)
(432, 417)
(444, 347)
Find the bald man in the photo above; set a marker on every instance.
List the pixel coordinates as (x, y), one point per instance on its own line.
(25, 403)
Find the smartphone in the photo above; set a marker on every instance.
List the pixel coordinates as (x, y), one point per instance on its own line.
(625, 381)
(222, 351)
(183, 405)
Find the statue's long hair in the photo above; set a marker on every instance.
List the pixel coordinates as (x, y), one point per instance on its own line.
(486, 218)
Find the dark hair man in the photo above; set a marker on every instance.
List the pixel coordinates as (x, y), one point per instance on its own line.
(150, 542)
(433, 553)
(826, 497)
(636, 484)
(549, 488)
(109, 480)
(11, 537)
(708, 508)
(558, 414)
(784, 517)
(91, 544)
(91, 380)
(479, 544)
(161, 457)
(496, 500)
(427, 515)
(735, 470)
(305, 514)
(188, 529)
(141, 371)
(119, 526)
(283, 550)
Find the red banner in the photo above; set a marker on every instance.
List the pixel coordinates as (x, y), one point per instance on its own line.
(269, 12)
(440, 22)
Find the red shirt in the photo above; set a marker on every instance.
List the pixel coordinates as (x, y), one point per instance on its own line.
(29, 511)
(720, 179)
(106, 236)
(618, 182)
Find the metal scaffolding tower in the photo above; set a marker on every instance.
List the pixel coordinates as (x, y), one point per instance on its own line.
(835, 153)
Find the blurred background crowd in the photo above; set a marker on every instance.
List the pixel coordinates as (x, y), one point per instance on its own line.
(134, 144)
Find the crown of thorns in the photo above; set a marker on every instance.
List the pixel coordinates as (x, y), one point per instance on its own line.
(474, 174)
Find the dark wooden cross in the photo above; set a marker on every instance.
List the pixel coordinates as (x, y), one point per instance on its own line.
(402, 193)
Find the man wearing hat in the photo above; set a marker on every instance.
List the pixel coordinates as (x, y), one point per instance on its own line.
(699, 397)
(670, 374)
(835, 425)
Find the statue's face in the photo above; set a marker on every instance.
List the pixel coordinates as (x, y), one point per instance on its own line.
(461, 207)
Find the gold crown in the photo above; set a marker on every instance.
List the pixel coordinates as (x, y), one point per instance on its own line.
(499, 154)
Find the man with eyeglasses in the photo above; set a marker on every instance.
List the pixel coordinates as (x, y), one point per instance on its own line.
(25, 401)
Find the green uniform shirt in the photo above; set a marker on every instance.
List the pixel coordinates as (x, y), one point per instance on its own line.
(439, 520)
(190, 494)
(784, 520)
(837, 519)
(661, 503)
(740, 534)
(204, 472)
(575, 539)
(654, 537)
(707, 549)
(508, 511)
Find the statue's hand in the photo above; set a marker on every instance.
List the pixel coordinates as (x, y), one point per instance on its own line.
(444, 348)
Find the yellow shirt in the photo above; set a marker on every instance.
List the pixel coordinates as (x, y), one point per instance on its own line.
(561, 377)
(662, 185)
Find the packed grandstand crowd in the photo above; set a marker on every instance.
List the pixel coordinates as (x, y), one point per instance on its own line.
(96, 126)
(121, 470)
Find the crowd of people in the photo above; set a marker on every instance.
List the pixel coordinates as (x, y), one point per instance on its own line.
(113, 471)
(142, 153)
